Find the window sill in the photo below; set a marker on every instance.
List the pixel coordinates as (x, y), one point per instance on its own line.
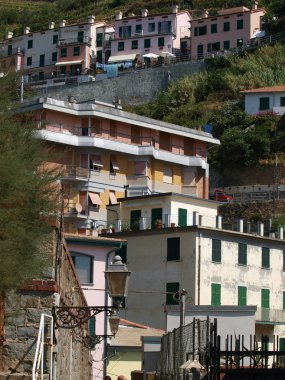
(216, 262)
(242, 265)
(266, 268)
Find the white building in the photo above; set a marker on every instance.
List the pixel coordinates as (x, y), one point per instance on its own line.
(265, 99)
(216, 266)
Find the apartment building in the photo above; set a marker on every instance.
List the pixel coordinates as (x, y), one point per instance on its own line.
(218, 265)
(137, 35)
(64, 50)
(230, 28)
(105, 153)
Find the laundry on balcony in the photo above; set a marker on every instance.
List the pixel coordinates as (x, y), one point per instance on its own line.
(68, 63)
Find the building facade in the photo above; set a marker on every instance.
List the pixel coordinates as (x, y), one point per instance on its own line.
(137, 35)
(105, 153)
(265, 99)
(65, 50)
(231, 28)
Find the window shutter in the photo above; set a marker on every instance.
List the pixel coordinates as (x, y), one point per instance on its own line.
(242, 295)
(182, 217)
(265, 261)
(216, 295)
(265, 298)
(171, 287)
(216, 250)
(242, 254)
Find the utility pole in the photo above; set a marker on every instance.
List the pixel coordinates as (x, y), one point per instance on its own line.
(182, 303)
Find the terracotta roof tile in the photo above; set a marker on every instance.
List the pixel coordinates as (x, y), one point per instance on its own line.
(265, 89)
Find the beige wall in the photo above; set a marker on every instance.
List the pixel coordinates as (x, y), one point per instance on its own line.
(123, 363)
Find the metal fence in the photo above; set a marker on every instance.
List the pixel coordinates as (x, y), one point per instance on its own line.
(183, 343)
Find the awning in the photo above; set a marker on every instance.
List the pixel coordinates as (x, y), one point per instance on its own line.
(113, 199)
(115, 165)
(96, 161)
(121, 58)
(68, 63)
(95, 199)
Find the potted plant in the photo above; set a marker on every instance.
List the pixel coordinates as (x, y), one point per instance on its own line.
(158, 223)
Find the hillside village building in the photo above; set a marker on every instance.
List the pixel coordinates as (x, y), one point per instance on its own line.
(65, 50)
(231, 28)
(216, 265)
(104, 153)
(138, 35)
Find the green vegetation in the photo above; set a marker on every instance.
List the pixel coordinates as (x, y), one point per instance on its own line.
(28, 197)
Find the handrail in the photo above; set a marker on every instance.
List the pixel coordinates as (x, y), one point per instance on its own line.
(38, 363)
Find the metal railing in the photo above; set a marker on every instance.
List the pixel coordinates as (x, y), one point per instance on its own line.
(41, 362)
(71, 171)
(75, 41)
(14, 51)
(270, 315)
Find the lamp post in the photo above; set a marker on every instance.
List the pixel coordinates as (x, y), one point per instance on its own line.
(117, 278)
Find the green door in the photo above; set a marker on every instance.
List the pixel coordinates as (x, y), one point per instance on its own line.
(156, 215)
(135, 219)
(182, 217)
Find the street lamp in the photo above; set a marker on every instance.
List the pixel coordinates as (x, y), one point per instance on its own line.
(117, 277)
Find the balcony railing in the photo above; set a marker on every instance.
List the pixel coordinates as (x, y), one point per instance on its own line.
(75, 172)
(75, 41)
(9, 53)
(270, 315)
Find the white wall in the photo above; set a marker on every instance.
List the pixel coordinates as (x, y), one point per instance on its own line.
(252, 101)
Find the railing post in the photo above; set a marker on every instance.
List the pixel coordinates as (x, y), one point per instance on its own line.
(118, 225)
(167, 220)
(195, 218)
(219, 221)
(280, 232)
(142, 223)
(260, 228)
(240, 225)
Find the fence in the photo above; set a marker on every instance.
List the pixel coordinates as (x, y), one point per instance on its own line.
(182, 344)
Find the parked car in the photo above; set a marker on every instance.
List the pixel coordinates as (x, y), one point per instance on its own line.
(220, 196)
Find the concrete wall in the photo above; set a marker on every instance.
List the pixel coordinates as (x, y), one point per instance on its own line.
(252, 102)
(132, 88)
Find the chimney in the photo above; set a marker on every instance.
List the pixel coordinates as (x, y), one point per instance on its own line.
(91, 19)
(71, 99)
(26, 30)
(119, 15)
(9, 35)
(205, 13)
(51, 25)
(174, 8)
(62, 23)
(131, 14)
(254, 5)
(144, 12)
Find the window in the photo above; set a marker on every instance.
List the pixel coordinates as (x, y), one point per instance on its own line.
(140, 167)
(84, 267)
(216, 250)
(265, 298)
(214, 28)
(99, 56)
(30, 44)
(63, 52)
(122, 252)
(242, 295)
(156, 215)
(76, 51)
(113, 165)
(214, 47)
(112, 197)
(41, 75)
(239, 24)
(54, 56)
(29, 61)
(135, 44)
(135, 219)
(125, 31)
(263, 104)
(42, 60)
(242, 254)
(55, 39)
(171, 289)
(265, 260)
(164, 27)
(121, 46)
(94, 200)
(99, 40)
(283, 254)
(200, 31)
(173, 249)
(167, 174)
(10, 49)
(182, 217)
(239, 42)
(226, 26)
(138, 29)
(200, 51)
(283, 300)
(92, 331)
(282, 101)
(160, 41)
(215, 294)
(147, 43)
(80, 36)
(226, 45)
(95, 162)
(151, 27)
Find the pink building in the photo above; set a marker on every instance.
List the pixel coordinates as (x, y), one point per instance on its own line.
(230, 29)
(91, 256)
(137, 35)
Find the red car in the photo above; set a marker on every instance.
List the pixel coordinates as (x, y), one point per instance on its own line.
(221, 196)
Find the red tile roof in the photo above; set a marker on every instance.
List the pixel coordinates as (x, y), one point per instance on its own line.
(265, 89)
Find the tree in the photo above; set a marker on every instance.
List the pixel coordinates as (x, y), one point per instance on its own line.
(28, 197)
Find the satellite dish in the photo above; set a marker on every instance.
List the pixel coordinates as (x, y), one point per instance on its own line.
(78, 207)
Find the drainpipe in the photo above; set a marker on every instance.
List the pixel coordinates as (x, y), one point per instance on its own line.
(105, 352)
(199, 268)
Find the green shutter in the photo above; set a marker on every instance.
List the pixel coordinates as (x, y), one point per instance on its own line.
(182, 217)
(282, 101)
(214, 28)
(242, 295)
(283, 260)
(282, 344)
(242, 254)
(263, 104)
(239, 24)
(283, 300)
(226, 45)
(156, 215)
(216, 250)
(215, 294)
(265, 298)
(135, 219)
(265, 261)
(171, 288)
(92, 326)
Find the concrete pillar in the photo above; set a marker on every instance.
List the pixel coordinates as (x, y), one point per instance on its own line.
(9, 35)
(280, 233)
(144, 12)
(240, 225)
(219, 221)
(119, 15)
(118, 225)
(26, 30)
(260, 229)
(62, 23)
(142, 223)
(51, 25)
(195, 218)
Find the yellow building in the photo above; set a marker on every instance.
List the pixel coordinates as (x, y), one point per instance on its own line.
(105, 153)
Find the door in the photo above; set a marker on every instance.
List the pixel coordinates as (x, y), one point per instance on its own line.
(200, 51)
(182, 217)
(42, 60)
(156, 216)
(135, 219)
(80, 36)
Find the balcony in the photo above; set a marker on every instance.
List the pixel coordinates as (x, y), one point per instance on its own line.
(270, 316)
(75, 41)
(74, 210)
(75, 173)
(9, 53)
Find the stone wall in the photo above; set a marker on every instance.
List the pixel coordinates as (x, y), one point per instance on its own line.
(22, 313)
(133, 88)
